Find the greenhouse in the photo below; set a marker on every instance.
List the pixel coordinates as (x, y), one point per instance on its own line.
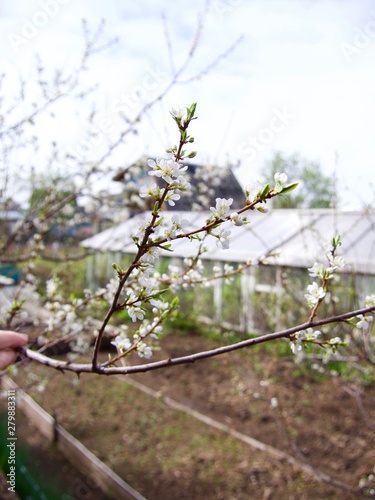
(269, 294)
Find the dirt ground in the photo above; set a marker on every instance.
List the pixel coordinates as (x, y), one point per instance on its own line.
(323, 422)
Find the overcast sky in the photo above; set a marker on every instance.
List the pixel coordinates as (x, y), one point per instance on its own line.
(301, 80)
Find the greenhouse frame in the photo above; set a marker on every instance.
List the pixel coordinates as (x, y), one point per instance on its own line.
(297, 238)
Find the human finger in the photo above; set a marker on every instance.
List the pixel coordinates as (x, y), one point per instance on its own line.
(7, 358)
(10, 340)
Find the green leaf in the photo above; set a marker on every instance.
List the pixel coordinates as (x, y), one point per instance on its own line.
(288, 188)
(157, 294)
(117, 268)
(191, 111)
(263, 193)
(175, 302)
(195, 236)
(336, 242)
(156, 207)
(160, 221)
(166, 247)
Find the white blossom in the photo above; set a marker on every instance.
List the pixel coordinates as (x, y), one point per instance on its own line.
(171, 197)
(317, 270)
(142, 226)
(335, 341)
(308, 335)
(274, 403)
(295, 347)
(149, 191)
(331, 245)
(151, 254)
(370, 300)
(280, 178)
(135, 312)
(252, 190)
(81, 344)
(335, 263)
(52, 287)
(179, 113)
(159, 304)
(180, 223)
(237, 219)
(222, 207)
(170, 232)
(181, 184)
(296, 343)
(145, 280)
(134, 307)
(111, 289)
(143, 350)
(364, 322)
(228, 268)
(315, 293)
(223, 238)
(166, 169)
(121, 342)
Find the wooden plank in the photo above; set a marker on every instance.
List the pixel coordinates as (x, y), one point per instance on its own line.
(88, 463)
(40, 418)
(71, 448)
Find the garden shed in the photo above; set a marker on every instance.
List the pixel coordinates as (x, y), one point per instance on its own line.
(265, 295)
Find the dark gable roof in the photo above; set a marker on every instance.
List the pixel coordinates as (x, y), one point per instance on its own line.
(218, 184)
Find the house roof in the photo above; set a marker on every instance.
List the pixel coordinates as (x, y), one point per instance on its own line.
(298, 235)
(209, 180)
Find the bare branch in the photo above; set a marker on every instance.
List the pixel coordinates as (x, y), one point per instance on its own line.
(191, 358)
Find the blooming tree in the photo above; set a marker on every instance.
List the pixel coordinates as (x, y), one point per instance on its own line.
(141, 290)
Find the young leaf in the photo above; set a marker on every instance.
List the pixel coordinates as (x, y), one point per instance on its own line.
(263, 193)
(166, 247)
(288, 188)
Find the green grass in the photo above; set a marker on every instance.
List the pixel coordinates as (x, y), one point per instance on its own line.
(72, 273)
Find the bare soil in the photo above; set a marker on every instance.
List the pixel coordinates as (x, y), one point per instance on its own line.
(164, 454)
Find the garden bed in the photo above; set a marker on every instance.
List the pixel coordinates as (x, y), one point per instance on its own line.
(165, 453)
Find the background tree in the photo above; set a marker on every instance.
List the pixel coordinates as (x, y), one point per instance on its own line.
(315, 189)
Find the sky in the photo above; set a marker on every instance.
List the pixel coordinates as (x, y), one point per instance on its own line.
(300, 78)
